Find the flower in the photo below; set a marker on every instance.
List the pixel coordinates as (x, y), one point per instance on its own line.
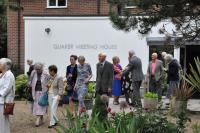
(109, 109)
(105, 99)
(123, 104)
(113, 114)
(82, 110)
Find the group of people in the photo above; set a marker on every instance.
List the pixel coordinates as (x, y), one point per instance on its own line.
(157, 71)
(111, 79)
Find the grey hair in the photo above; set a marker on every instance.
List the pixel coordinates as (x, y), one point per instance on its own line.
(132, 52)
(164, 54)
(168, 57)
(29, 60)
(102, 54)
(115, 59)
(6, 62)
(81, 58)
(38, 65)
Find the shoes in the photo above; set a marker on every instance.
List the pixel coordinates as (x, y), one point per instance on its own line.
(52, 126)
(116, 103)
(39, 121)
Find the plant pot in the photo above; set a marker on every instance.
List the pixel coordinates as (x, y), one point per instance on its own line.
(88, 103)
(150, 103)
(180, 106)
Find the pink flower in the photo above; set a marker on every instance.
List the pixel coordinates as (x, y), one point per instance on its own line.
(113, 114)
(109, 109)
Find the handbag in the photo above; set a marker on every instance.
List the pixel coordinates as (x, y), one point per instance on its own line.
(8, 108)
(29, 95)
(43, 100)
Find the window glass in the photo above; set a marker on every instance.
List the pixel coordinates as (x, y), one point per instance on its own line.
(52, 2)
(131, 3)
(61, 2)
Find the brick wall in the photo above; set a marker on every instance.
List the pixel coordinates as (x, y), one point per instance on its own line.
(39, 8)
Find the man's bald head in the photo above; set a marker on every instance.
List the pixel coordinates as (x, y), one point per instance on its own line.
(102, 57)
(154, 56)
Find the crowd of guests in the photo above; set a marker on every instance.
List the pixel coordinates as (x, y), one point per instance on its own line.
(111, 79)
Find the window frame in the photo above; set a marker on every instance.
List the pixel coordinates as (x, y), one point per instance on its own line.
(48, 6)
(130, 7)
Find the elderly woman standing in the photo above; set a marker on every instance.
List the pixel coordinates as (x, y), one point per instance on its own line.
(38, 82)
(84, 75)
(117, 84)
(7, 92)
(56, 87)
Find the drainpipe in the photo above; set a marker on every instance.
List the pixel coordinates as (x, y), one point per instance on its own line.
(19, 33)
(98, 7)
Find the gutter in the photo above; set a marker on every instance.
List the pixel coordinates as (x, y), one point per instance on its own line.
(19, 34)
(98, 7)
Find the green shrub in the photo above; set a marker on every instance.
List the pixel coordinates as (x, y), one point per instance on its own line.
(133, 122)
(196, 127)
(90, 91)
(21, 84)
(151, 95)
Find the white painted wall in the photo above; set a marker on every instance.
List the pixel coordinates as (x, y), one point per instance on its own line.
(76, 31)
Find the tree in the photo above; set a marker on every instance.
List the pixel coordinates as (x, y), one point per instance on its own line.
(4, 5)
(184, 14)
(3, 30)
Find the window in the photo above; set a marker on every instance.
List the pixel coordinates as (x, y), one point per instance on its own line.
(56, 3)
(131, 4)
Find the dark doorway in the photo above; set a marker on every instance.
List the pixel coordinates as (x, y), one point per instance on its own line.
(192, 51)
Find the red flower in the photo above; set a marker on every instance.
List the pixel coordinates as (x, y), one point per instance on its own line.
(113, 114)
(109, 109)
(82, 110)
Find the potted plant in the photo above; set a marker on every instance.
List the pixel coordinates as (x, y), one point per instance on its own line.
(150, 100)
(181, 96)
(88, 98)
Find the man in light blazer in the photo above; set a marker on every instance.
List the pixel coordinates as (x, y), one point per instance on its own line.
(155, 74)
(135, 67)
(105, 76)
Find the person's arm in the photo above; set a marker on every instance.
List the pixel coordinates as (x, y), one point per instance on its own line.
(129, 68)
(7, 86)
(90, 74)
(60, 86)
(111, 77)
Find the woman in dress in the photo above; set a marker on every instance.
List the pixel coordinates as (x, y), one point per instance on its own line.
(7, 92)
(127, 86)
(117, 84)
(38, 82)
(84, 75)
(71, 74)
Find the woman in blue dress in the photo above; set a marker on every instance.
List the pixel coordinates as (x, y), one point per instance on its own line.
(117, 84)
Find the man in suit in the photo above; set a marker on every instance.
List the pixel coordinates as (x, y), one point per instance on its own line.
(155, 74)
(135, 67)
(105, 74)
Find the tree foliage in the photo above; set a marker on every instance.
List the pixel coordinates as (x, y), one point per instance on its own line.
(3, 29)
(184, 14)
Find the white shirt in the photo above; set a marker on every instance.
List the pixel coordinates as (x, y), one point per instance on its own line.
(7, 87)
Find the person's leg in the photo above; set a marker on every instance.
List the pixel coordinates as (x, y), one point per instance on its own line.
(54, 107)
(50, 99)
(81, 92)
(136, 94)
(152, 85)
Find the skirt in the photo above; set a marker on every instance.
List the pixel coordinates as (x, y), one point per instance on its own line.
(37, 109)
(4, 121)
(117, 88)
